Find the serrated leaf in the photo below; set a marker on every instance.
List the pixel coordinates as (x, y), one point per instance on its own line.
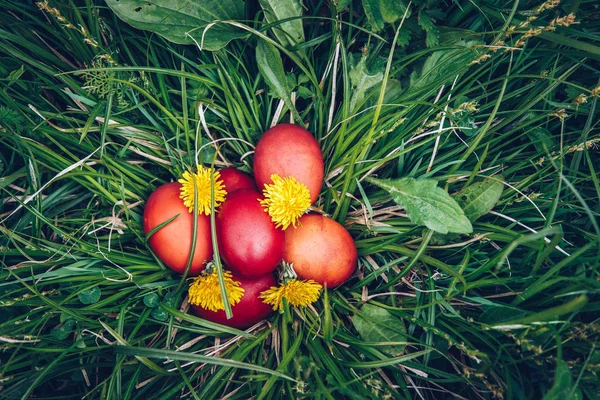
(184, 21)
(362, 80)
(426, 204)
(289, 33)
(392, 10)
(304, 92)
(404, 37)
(432, 37)
(563, 387)
(479, 198)
(90, 296)
(340, 5)
(376, 325)
(425, 21)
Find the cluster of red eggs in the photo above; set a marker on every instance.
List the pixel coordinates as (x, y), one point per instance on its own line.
(250, 243)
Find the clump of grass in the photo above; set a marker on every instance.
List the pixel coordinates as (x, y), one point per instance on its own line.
(86, 310)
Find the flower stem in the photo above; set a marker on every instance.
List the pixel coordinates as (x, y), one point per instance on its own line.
(213, 234)
(194, 239)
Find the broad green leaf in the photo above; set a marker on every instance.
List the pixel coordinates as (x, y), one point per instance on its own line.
(446, 63)
(379, 12)
(362, 80)
(288, 33)
(377, 325)
(62, 331)
(467, 126)
(479, 198)
(16, 75)
(392, 10)
(341, 5)
(563, 385)
(404, 37)
(373, 12)
(270, 66)
(433, 35)
(439, 239)
(304, 92)
(500, 313)
(159, 312)
(90, 296)
(151, 300)
(184, 21)
(393, 90)
(426, 204)
(541, 139)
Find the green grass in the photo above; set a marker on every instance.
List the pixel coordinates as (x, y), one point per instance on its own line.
(499, 313)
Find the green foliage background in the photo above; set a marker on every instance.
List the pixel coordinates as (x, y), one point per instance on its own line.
(492, 100)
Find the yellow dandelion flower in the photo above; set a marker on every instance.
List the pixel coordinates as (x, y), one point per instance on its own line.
(285, 200)
(203, 181)
(297, 292)
(206, 292)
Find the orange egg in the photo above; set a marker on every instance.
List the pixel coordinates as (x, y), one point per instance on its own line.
(289, 150)
(172, 243)
(321, 249)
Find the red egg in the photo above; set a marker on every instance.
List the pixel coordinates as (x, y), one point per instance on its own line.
(321, 249)
(289, 150)
(249, 242)
(249, 310)
(234, 179)
(172, 243)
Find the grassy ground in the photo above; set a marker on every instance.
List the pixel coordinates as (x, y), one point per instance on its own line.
(461, 92)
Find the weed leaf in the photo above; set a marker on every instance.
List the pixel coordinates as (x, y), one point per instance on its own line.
(184, 25)
(288, 33)
(362, 80)
(541, 139)
(479, 198)
(90, 296)
(270, 66)
(563, 385)
(376, 324)
(426, 204)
